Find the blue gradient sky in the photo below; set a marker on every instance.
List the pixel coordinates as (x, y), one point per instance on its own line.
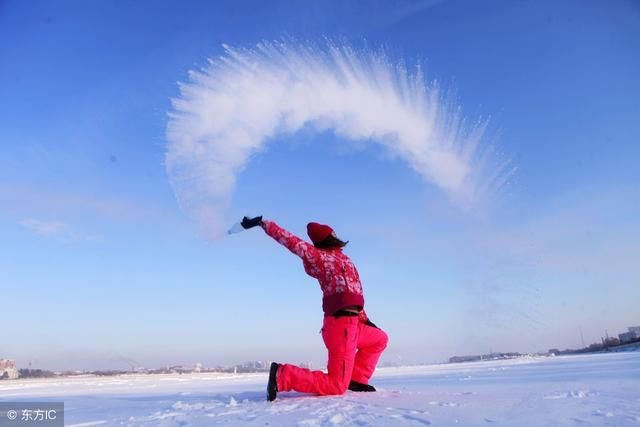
(99, 268)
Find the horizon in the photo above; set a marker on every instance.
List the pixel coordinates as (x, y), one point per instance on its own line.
(133, 368)
(524, 242)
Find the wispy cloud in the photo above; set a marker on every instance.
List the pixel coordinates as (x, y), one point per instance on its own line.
(58, 230)
(28, 201)
(227, 111)
(45, 228)
(577, 233)
(73, 216)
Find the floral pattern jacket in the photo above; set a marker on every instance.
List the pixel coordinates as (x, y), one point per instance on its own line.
(338, 277)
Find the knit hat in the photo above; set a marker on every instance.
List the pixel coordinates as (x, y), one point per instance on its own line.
(318, 232)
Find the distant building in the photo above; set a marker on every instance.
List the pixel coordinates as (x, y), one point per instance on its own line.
(490, 356)
(8, 370)
(632, 334)
(461, 359)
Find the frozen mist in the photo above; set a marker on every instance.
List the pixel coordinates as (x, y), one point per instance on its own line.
(229, 110)
(584, 390)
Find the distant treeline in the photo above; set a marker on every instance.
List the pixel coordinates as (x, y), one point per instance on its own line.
(36, 373)
(609, 344)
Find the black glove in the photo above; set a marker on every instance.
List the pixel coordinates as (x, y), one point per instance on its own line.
(251, 222)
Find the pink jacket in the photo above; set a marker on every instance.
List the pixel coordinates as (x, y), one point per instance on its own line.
(338, 277)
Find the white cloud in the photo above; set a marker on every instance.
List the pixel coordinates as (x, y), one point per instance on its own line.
(45, 228)
(58, 230)
(227, 111)
(27, 201)
(582, 232)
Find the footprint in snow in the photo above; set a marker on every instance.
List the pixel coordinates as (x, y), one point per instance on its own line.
(599, 413)
(449, 404)
(573, 394)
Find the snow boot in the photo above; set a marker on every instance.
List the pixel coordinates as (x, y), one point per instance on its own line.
(356, 386)
(272, 385)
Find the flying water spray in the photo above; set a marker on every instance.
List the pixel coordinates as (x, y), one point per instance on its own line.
(235, 228)
(247, 96)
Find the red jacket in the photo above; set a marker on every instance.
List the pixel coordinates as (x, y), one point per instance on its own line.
(338, 277)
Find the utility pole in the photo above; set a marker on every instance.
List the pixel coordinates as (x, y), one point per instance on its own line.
(581, 337)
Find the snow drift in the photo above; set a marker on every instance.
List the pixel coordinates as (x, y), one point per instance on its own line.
(228, 110)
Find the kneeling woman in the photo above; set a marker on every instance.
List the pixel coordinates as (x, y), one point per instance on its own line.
(354, 343)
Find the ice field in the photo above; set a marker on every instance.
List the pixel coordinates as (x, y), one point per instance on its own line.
(584, 390)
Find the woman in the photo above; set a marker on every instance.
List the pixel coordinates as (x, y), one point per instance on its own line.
(353, 342)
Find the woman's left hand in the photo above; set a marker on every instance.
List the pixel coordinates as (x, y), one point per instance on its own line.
(251, 222)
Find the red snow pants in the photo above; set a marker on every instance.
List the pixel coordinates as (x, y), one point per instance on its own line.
(354, 349)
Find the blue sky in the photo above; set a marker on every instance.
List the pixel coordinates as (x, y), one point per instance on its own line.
(100, 267)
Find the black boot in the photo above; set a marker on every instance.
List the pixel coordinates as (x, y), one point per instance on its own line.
(356, 386)
(272, 385)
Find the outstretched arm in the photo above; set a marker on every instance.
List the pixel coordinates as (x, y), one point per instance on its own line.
(287, 239)
(290, 241)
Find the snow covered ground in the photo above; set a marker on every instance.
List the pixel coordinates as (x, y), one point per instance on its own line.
(597, 389)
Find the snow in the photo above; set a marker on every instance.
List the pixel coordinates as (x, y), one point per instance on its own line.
(584, 390)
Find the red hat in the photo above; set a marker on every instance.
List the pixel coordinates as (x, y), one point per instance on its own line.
(318, 232)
